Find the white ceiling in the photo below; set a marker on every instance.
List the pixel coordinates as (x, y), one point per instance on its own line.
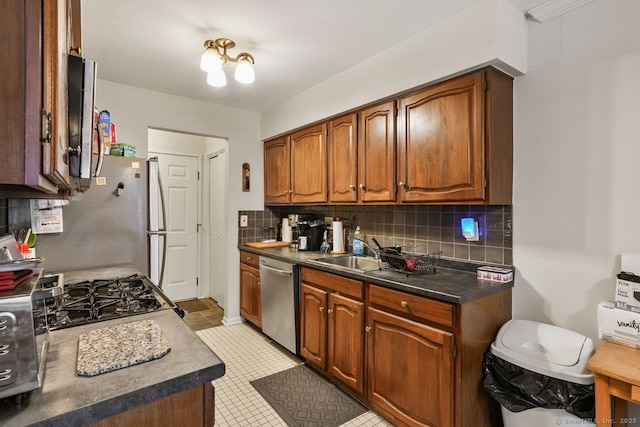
(157, 44)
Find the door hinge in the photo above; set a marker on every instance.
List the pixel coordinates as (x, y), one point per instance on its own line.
(45, 132)
(484, 182)
(454, 351)
(197, 281)
(484, 85)
(198, 175)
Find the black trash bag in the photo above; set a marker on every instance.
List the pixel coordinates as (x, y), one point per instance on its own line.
(519, 389)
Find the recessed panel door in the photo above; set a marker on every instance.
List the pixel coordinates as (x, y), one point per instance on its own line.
(179, 176)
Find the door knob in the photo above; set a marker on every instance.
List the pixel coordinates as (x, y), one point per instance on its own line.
(321, 308)
(330, 311)
(404, 304)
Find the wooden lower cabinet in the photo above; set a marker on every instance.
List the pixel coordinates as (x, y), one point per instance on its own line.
(345, 354)
(250, 296)
(332, 327)
(410, 370)
(417, 361)
(313, 326)
(190, 408)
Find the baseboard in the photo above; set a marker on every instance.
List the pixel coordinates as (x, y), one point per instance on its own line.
(231, 321)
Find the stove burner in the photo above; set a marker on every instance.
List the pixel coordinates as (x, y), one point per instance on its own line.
(96, 300)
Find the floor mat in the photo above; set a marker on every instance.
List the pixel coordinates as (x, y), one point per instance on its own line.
(193, 306)
(304, 398)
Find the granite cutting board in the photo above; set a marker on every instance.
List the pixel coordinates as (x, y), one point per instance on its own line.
(116, 347)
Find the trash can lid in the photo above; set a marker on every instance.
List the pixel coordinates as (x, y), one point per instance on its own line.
(546, 349)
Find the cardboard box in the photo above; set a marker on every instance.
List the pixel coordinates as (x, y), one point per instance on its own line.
(627, 295)
(617, 325)
(496, 274)
(104, 131)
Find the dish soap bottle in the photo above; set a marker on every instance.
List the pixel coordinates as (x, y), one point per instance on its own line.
(357, 244)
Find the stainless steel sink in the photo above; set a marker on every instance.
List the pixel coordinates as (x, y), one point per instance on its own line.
(350, 262)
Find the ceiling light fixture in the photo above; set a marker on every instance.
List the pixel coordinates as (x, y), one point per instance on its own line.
(215, 56)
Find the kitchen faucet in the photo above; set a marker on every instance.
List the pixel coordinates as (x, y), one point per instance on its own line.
(376, 251)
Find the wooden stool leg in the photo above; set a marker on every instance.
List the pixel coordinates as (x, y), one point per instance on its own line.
(619, 411)
(604, 416)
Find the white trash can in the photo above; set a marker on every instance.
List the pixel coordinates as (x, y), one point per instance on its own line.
(548, 350)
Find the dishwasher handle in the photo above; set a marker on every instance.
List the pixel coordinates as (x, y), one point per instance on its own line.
(276, 270)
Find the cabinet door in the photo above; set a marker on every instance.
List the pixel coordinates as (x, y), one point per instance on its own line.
(309, 165)
(410, 370)
(276, 171)
(250, 298)
(377, 153)
(313, 326)
(343, 160)
(21, 94)
(440, 149)
(345, 355)
(56, 33)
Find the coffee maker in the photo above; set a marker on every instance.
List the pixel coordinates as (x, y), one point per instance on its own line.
(312, 228)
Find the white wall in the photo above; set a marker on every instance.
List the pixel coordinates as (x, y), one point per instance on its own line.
(134, 110)
(577, 146)
(486, 32)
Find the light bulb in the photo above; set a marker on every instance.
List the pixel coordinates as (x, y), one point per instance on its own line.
(216, 78)
(244, 71)
(210, 60)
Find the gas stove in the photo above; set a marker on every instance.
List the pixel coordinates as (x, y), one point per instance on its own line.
(92, 301)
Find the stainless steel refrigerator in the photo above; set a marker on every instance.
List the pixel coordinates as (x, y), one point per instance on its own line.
(118, 220)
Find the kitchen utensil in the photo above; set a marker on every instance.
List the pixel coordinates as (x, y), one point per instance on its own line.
(394, 251)
(302, 243)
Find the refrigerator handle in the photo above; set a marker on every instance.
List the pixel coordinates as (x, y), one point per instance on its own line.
(163, 229)
(102, 134)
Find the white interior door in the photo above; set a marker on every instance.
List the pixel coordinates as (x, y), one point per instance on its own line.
(217, 229)
(179, 175)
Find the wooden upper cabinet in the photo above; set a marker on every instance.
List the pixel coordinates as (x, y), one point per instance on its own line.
(56, 32)
(277, 180)
(309, 165)
(34, 136)
(377, 153)
(455, 141)
(343, 159)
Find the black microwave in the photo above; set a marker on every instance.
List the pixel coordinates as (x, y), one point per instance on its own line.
(81, 91)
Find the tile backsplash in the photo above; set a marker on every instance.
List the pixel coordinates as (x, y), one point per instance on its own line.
(4, 217)
(417, 228)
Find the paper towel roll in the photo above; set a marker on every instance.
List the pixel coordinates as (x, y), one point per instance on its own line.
(286, 230)
(338, 240)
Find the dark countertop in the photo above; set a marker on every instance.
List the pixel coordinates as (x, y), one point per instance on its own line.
(69, 400)
(453, 285)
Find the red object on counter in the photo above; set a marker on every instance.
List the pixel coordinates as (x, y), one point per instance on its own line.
(113, 132)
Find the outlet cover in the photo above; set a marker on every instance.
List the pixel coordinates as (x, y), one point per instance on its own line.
(244, 220)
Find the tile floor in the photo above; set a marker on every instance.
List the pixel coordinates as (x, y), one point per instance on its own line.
(249, 355)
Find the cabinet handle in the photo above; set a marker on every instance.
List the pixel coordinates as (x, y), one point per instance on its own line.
(290, 191)
(321, 308)
(367, 328)
(286, 192)
(352, 187)
(362, 187)
(249, 258)
(404, 304)
(330, 311)
(402, 184)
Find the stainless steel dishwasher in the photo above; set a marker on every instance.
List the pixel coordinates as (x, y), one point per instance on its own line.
(280, 293)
